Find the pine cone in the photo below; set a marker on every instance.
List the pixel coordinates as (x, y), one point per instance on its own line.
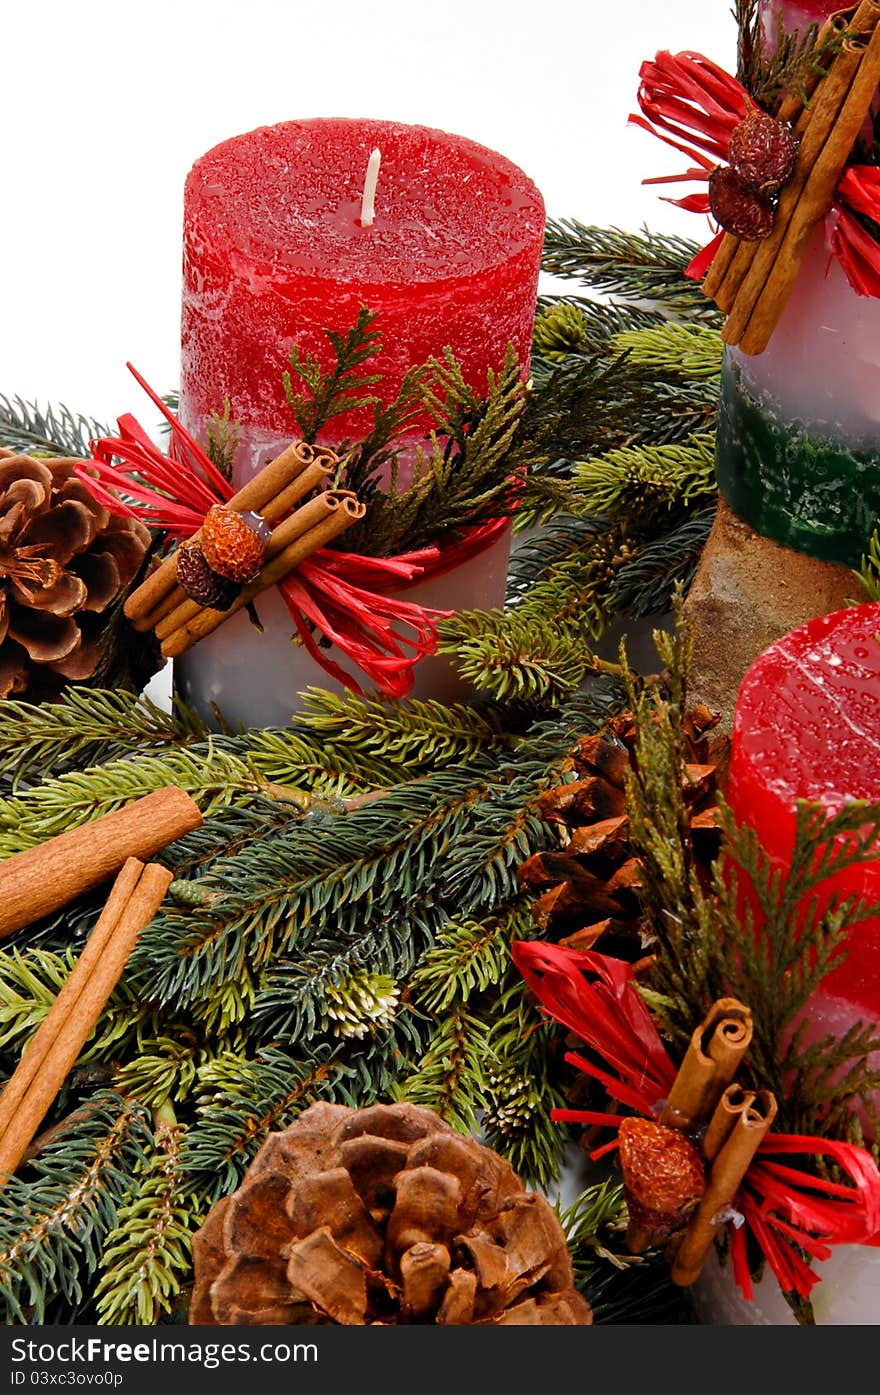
(590, 888)
(63, 560)
(381, 1216)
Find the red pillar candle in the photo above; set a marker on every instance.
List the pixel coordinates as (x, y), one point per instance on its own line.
(807, 726)
(279, 247)
(276, 252)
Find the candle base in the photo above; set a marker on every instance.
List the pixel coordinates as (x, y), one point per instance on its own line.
(747, 593)
(849, 1294)
(255, 679)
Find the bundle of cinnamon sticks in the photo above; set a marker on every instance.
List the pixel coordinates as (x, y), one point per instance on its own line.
(724, 1124)
(751, 281)
(161, 604)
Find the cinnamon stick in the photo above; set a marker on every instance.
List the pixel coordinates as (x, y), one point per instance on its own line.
(136, 896)
(733, 1102)
(715, 1051)
(729, 1168)
(42, 879)
(272, 493)
(345, 511)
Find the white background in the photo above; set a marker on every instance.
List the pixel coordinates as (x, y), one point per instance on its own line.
(105, 105)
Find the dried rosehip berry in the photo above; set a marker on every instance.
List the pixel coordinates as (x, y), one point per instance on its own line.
(663, 1179)
(762, 150)
(737, 208)
(232, 547)
(201, 583)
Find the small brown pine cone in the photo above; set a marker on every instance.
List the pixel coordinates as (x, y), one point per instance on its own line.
(663, 1179)
(588, 892)
(382, 1216)
(64, 560)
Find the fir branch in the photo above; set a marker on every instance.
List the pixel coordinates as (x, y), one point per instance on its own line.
(147, 1256)
(644, 267)
(87, 726)
(410, 735)
(30, 981)
(621, 1288)
(52, 1227)
(646, 584)
(686, 351)
(344, 387)
(212, 776)
(35, 430)
(468, 957)
(449, 1077)
(297, 997)
(242, 1100)
(656, 481)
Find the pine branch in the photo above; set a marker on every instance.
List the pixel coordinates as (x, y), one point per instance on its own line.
(35, 430)
(643, 267)
(52, 1227)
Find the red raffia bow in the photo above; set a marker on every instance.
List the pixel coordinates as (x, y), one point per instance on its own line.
(690, 103)
(347, 597)
(786, 1208)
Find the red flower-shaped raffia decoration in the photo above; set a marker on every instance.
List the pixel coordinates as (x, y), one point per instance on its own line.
(345, 598)
(749, 1186)
(772, 176)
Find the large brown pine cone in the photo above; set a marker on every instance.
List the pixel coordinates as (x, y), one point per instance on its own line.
(64, 559)
(382, 1216)
(590, 888)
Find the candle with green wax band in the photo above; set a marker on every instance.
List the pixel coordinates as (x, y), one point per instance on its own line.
(799, 424)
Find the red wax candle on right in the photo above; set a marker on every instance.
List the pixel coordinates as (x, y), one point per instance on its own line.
(807, 726)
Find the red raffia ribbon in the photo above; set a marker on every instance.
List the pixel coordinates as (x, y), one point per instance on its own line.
(691, 104)
(345, 596)
(786, 1208)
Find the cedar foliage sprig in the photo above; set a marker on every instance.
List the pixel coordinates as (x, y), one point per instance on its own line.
(768, 70)
(345, 388)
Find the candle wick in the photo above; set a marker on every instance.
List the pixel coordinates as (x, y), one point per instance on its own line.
(368, 201)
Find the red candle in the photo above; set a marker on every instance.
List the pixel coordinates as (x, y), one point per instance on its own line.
(807, 726)
(276, 250)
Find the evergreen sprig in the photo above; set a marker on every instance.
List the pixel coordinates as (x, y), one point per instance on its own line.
(52, 430)
(641, 266)
(53, 1224)
(345, 388)
(146, 1257)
